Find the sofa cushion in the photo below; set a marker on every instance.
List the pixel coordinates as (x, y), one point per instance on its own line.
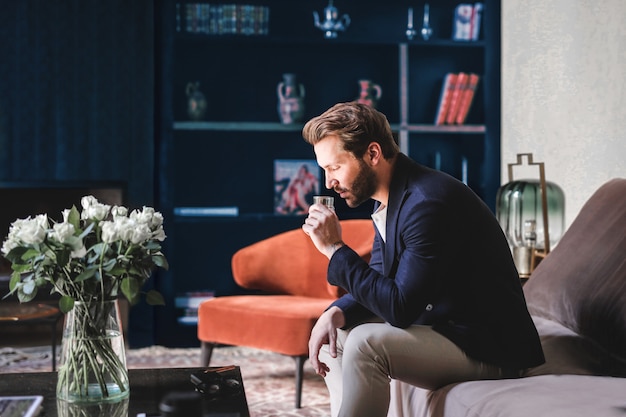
(567, 352)
(581, 284)
(546, 395)
(553, 395)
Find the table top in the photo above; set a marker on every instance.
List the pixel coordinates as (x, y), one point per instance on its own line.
(147, 388)
(10, 311)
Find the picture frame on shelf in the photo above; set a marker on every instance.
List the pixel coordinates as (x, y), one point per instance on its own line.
(296, 181)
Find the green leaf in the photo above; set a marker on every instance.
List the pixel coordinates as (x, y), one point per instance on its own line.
(66, 303)
(108, 265)
(29, 287)
(153, 245)
(87, 230)
(15, 280)
(63, 257)
(74, 218)
(154, 298)
(86, 274)
(74, 242)
(25, 297)
(29, 254)
(117, 271)
(15, 255)
(130, 288)
(98, 248)
(19, 268)
(159, 260)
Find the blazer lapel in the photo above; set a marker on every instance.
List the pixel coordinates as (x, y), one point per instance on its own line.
(397, 195)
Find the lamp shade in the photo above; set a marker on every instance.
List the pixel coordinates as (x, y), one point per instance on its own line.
(519, 207)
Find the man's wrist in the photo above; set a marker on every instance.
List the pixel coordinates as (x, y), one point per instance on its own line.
(335, 246)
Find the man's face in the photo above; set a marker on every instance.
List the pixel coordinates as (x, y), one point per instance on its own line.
(353, 179)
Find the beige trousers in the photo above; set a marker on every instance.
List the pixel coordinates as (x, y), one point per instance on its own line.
(371, 354)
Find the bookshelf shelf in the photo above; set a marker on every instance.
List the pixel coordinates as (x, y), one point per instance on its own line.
(460, 129)
(227, 159)
(238, 126)
(278, 127)
(238, 40)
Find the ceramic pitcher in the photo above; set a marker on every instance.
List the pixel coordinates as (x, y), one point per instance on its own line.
(370, 93)
(196, 102)
(290, 99)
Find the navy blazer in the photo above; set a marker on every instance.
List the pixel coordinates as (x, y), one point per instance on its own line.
(446, 263)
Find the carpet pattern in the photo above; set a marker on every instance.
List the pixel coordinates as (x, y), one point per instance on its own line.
(269, 378)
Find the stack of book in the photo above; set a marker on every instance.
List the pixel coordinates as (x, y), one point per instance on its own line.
(455, 99)
(189, 302)
(226, 19)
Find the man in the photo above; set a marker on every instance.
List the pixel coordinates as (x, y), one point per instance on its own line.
(440, 300)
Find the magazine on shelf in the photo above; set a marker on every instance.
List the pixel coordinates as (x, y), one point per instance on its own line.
(467, 19)
(296, 181)
(20, 406)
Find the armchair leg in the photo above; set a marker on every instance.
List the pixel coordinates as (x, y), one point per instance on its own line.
(299, 377)
(206, 350)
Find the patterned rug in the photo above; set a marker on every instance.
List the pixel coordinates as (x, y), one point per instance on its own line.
(268, 378)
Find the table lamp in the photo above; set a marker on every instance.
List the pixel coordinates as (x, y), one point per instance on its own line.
(532, 214)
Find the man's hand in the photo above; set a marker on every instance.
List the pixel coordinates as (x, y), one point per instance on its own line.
(325, 332)
(324, 229)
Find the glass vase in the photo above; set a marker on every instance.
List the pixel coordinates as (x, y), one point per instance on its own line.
(92, 367)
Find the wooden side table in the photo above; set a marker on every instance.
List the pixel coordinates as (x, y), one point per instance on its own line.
(29, 313)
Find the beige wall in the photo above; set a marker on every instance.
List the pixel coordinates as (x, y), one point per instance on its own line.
(564, 91)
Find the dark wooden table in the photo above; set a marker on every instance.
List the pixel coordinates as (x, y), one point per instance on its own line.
(13, 314)
(148, 387)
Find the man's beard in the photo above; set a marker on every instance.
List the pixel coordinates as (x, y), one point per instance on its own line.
(363, 187)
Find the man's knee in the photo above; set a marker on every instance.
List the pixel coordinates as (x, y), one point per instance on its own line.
(366, 341)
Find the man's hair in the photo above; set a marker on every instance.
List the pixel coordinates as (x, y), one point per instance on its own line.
(357, 125)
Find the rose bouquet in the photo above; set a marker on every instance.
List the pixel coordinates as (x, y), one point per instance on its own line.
(90, 258)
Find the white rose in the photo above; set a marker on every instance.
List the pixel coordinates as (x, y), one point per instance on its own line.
(141, 233)
(42, 220)
(144, 216)
(119, 211)
(66, 215)
(92, 209)
(109, 232)
(62, 231)
(124, 227)
(88, 201)
(9, 245)
(79, 253)
(32, 231)
(157, 220)
(159, 234)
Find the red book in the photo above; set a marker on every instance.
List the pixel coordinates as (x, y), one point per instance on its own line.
(444, 98)
(455, 99)
(467, 98)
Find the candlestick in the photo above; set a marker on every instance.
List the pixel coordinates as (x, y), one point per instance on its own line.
(426, 29)
(410, 32)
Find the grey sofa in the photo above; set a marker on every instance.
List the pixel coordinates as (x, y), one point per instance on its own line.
(577, 297)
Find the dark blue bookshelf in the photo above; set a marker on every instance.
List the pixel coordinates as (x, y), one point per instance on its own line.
(227, 159)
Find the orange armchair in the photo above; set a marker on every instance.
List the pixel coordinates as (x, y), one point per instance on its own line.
(291, 272)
